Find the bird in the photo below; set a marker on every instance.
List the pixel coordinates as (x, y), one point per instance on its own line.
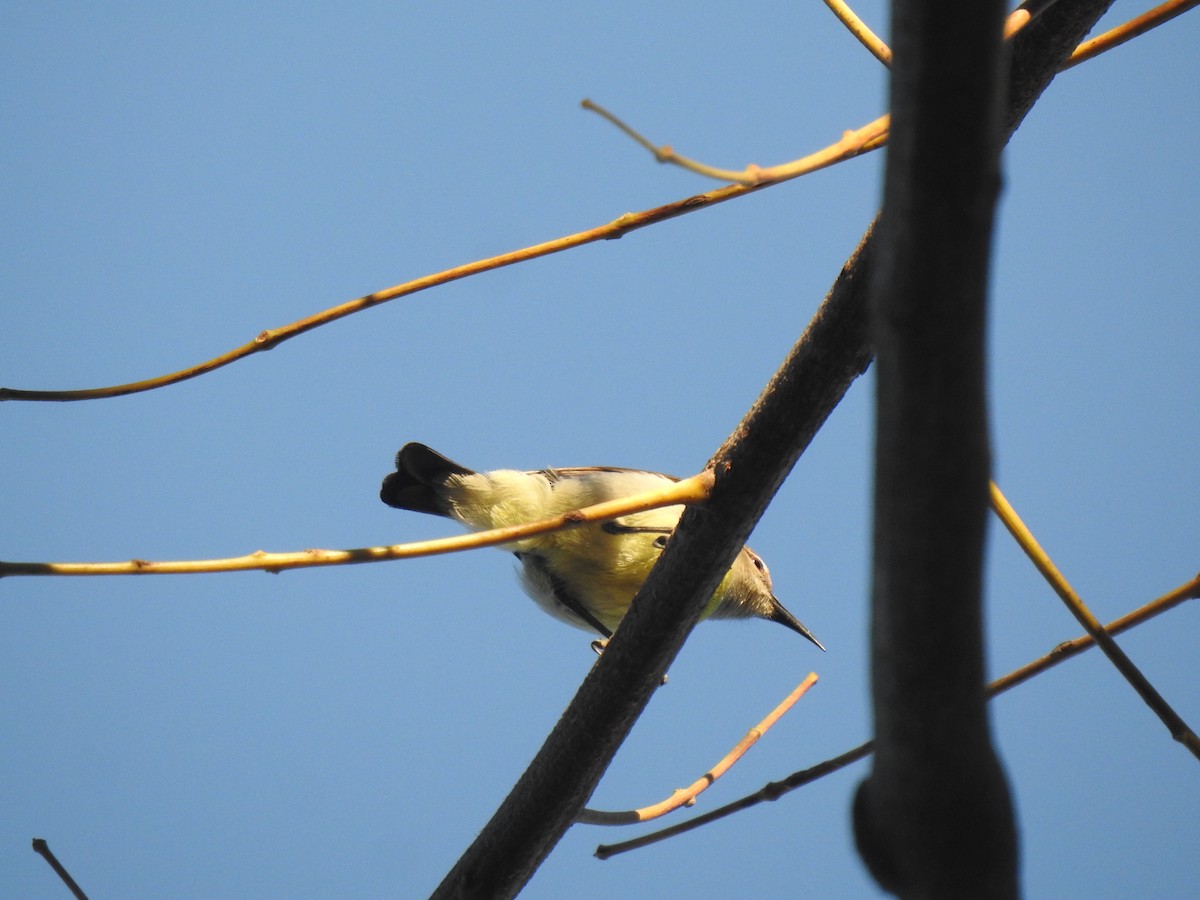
(585, 576)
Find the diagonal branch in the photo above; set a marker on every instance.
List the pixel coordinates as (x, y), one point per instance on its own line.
(833, 351)
(749, 467)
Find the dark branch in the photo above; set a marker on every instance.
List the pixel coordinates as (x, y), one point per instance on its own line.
(749, 468)
(42, 849)
(831, 354)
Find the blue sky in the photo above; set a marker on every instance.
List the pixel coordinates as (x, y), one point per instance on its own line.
(174, 181)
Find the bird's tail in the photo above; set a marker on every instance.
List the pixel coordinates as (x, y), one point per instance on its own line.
(418, 480)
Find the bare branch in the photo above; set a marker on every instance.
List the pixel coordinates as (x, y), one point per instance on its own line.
(687, 796)
(772, 791)
(665, 154)
(273, 337)
(861, 31)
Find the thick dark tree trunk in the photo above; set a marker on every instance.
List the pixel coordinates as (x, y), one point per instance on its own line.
(934, 818)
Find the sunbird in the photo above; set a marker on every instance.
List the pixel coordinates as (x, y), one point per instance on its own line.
(586, 575)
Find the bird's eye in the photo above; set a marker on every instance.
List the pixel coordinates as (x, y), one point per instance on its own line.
(759, 564)
(660, 541)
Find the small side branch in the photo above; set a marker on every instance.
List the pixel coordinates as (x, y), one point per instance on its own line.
(687, 796)
(852, 143)
(861, 31)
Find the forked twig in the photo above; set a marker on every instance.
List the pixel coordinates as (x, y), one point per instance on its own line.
(1028, 543)
(689, 490)
(1017, 20)
(852, 143)
(1190, 590)
(687, 796)
(874, 134)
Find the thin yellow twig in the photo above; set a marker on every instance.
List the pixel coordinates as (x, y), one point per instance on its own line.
(689, 490)
(859, 29)
(853, 143)
(687, 796)
(773, 791)
(666, 154)
(273, 337)
(1128, 31)
(1015, 21)
(1024, 537)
